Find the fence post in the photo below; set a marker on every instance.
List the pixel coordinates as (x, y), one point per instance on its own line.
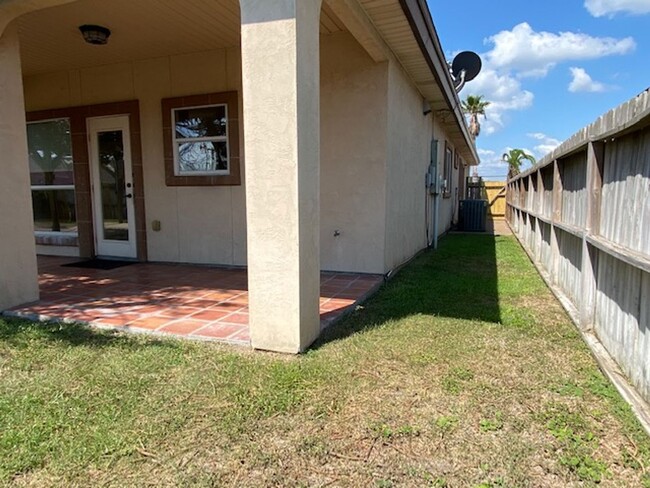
(508, 201)
(556, 216)
(595, 156)
(537, 205)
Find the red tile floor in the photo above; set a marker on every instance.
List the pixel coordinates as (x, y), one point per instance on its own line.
(195, 302)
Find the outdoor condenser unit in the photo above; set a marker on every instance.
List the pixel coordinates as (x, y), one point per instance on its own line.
(473, 215)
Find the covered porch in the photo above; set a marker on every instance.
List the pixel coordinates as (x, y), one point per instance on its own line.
(259, 63)
(194, 302)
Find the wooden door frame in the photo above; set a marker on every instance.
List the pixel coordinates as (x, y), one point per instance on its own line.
(111, 248)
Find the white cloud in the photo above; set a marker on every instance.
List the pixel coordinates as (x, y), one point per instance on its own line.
(600, 8)
(532, 53)
(485, 152)
(504, 92)
(492, 166)
(582, 82)
(523, 52)
(546, 144)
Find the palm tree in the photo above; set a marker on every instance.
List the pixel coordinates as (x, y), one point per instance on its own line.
(474, 105)
(515, 158)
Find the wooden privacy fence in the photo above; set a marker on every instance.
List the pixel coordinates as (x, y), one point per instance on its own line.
(496, 196)
(583, 214)
(492, 191)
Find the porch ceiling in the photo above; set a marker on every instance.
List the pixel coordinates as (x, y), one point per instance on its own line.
(50, 39)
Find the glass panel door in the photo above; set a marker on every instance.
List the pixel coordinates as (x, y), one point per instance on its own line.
(115, 218)
(114, 211)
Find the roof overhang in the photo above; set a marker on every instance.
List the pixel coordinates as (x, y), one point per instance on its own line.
(419, 17)
(400, 30)
(406, 30)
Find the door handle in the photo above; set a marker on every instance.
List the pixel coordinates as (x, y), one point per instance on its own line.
(129, 195)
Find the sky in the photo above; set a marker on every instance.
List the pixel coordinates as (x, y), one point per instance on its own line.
(549, 67)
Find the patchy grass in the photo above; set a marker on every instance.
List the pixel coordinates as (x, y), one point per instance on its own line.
(462, 371)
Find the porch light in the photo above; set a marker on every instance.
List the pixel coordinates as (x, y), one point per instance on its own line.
(95, 34)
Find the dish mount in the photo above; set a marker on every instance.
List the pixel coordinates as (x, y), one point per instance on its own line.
(465, 67)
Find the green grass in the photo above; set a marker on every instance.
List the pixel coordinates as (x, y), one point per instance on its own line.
(462, 371)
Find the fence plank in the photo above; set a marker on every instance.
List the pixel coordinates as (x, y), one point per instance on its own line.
(625, 205)
(573, 172)
(617, 316)
(587, 225)
(547, 184)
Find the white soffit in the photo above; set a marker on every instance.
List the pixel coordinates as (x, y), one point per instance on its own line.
(389, 19)
(51, 41)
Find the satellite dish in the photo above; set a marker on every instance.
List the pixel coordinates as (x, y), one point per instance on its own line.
(465, 67)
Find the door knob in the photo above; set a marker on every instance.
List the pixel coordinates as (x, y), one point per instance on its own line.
(129, 195)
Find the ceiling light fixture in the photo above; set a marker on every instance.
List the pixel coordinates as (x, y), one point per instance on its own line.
(95, 34)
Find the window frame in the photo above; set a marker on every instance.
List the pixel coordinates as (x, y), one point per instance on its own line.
(73, 188)
(180, 140)
(173, 176)
(447, 171)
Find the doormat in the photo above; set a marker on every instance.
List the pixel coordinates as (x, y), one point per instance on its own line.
(104, 264)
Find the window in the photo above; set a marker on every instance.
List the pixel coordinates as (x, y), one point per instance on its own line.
(51, 173)
(446, 174)
(201, 138)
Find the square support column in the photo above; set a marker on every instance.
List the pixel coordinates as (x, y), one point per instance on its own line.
(18, 272)
(281, 92)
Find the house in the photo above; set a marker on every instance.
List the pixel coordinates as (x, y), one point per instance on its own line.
(287, 136)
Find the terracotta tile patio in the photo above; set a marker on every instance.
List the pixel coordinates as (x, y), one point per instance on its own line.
(196, 302)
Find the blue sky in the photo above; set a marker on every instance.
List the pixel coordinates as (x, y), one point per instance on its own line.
(549, 68)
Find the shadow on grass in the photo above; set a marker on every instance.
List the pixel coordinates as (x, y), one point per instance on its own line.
(20, 332)
(458, 280)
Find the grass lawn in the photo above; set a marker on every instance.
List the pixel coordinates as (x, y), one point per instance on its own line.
(462, 371)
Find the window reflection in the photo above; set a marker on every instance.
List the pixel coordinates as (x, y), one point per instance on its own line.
(202, 156)
(51, 173)
(113, 185)
(201, 122)
(201, 140)
(54, 210)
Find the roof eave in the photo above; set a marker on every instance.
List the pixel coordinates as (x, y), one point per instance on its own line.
(419, 17)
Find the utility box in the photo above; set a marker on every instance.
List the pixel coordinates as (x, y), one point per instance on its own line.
(472, 215)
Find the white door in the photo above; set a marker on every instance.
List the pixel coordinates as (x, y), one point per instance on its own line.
(112, 188)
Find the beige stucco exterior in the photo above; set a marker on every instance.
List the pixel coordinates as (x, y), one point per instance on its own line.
(409, 204)
(448, 205)
(334, 150)
(186, 235)
(354, 134)
(408, 149)
(354, 120)
(281, 91)
(18, 282)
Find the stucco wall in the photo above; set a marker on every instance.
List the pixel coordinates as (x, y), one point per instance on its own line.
(18, 282)
(190, 233)
(353, 156)
(448, 207)
(409, 133)
(409, 154)
(208, 224)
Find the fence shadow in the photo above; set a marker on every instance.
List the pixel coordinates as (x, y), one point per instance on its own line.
(459, 280)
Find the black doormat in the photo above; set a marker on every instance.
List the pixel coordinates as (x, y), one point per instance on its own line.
(105, 264)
